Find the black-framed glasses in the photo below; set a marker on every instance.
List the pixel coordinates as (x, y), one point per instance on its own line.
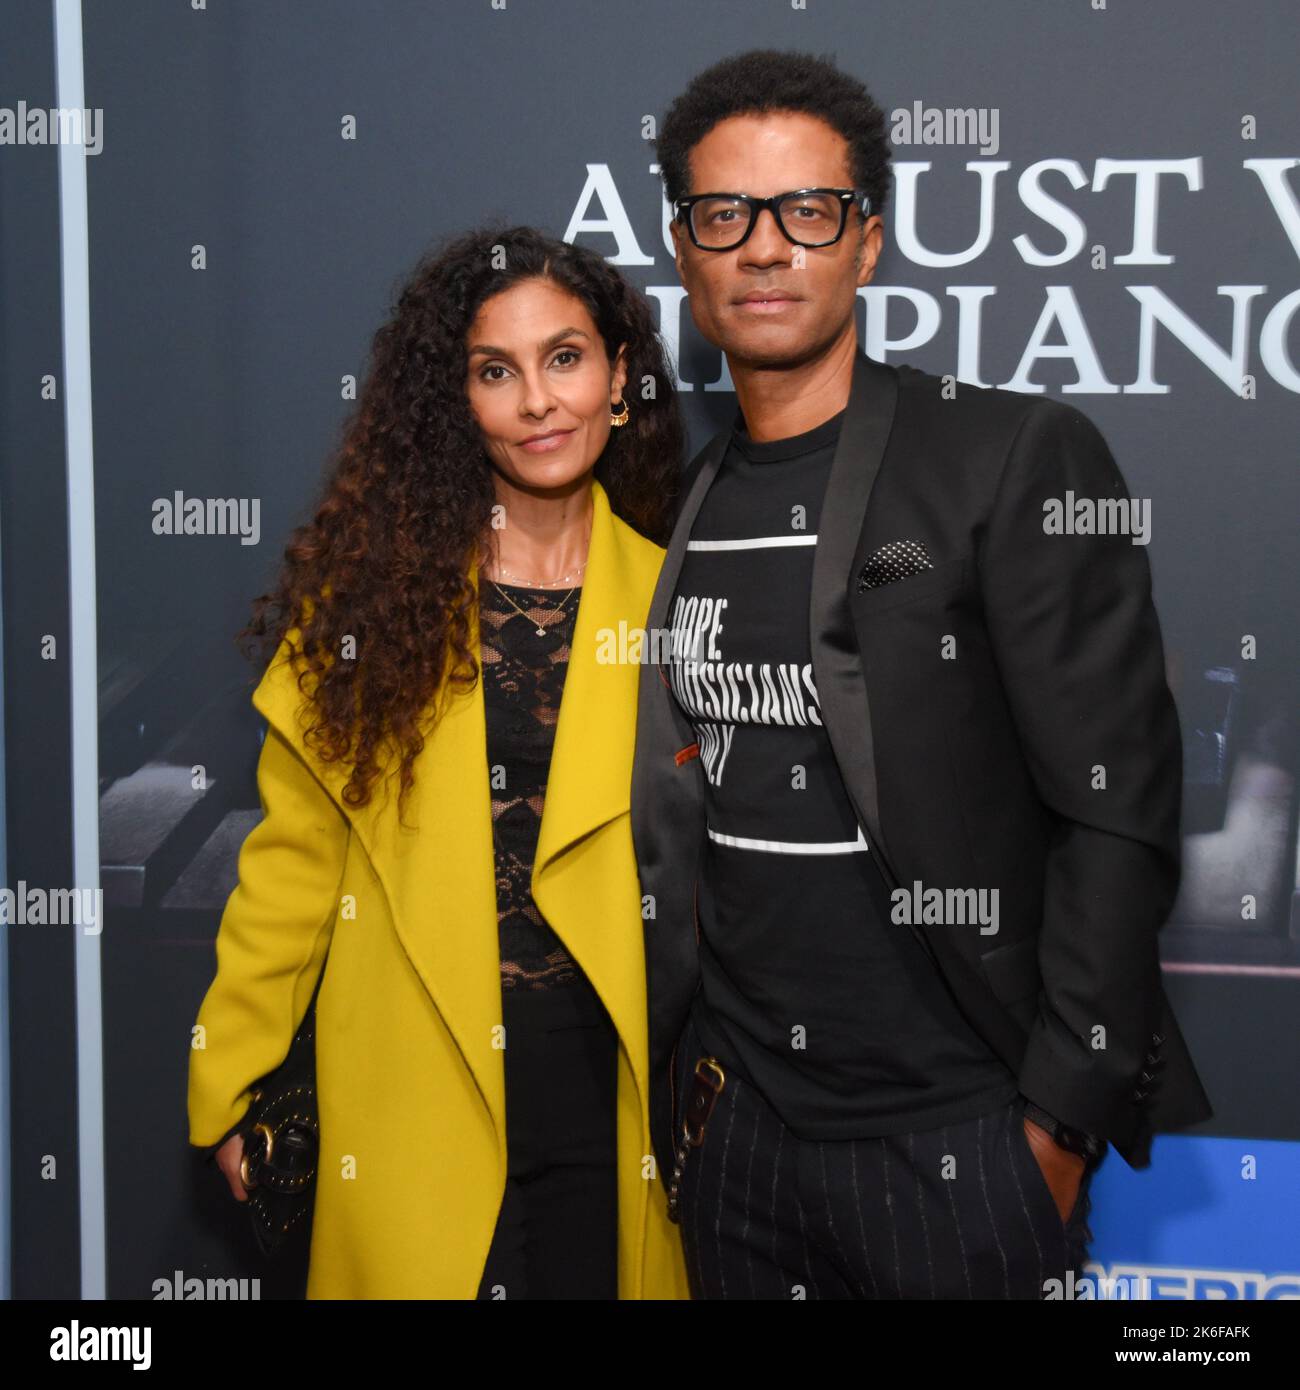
(806, 217)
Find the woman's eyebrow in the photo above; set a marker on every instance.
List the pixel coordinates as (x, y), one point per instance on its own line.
(541, 347)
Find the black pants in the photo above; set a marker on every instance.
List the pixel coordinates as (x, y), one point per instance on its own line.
(962, 1211)
(557, 1231)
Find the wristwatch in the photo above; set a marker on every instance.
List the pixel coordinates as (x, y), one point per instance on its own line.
(1075, 1141)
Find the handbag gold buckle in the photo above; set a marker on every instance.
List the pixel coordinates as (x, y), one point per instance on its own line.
(250, 1182)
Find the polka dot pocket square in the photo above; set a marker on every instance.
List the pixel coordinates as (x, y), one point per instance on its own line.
(892, 562)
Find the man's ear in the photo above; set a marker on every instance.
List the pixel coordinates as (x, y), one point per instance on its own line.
(872, 242)
(675, 231)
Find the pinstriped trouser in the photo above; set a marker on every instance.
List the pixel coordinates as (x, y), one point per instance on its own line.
(961, 1211)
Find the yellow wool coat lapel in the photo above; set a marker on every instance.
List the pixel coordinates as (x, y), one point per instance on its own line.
(421, 906)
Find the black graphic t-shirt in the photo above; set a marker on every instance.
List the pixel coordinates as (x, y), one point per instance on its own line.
(836, 1015)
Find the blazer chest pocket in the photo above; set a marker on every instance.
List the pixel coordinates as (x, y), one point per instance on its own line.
(936, 582)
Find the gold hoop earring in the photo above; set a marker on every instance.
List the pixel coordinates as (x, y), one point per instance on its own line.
(619, 420)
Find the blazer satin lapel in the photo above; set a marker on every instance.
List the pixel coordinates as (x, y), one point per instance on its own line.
(662, 842)
(837, 664)
(686, 514)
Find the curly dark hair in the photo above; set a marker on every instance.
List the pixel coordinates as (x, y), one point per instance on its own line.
(409, 497)
(766, 79)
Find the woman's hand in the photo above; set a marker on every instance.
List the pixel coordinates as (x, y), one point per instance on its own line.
(229, 1156)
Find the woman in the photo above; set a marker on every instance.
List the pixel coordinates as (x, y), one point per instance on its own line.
(481, 1025)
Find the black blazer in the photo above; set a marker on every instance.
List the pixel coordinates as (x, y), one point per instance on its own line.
(970, 706)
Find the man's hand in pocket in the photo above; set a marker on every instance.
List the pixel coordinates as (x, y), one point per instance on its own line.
(1062, 1170)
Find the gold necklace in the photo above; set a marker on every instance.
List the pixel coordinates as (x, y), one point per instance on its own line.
(555, 613)
(541, 584)
(545, 583)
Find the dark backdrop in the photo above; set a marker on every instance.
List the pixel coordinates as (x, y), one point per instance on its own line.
(223, 130)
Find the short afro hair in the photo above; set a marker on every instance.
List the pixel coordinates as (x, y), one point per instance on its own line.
(766, 79)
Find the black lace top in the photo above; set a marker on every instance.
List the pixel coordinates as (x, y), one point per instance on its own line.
(523, 679)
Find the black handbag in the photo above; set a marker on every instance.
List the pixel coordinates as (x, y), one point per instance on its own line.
(281, 1132)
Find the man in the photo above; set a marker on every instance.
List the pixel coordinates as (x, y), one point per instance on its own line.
(908, 777)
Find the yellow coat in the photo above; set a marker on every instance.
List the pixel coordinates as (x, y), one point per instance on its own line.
(409, 1074)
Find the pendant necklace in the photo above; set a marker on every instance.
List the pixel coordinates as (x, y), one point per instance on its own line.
(541, 627)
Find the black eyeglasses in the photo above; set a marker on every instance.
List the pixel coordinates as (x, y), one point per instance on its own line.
(806, 217)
